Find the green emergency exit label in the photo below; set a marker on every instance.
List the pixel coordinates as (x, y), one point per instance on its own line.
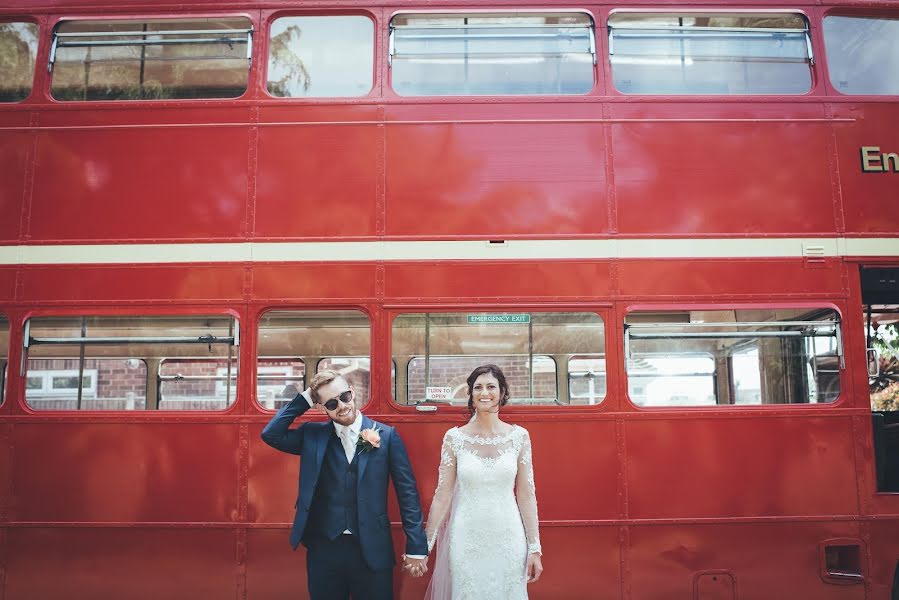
(500, 318)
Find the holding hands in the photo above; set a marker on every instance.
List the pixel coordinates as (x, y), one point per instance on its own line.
(415, 567)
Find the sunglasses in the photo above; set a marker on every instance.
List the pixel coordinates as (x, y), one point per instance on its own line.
(345, 397)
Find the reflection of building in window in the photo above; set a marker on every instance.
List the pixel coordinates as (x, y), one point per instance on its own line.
(273, 375)
(452, 371)
(586, 379)
(107, 384)
(355, 369)
(745, 357)
(197, 384)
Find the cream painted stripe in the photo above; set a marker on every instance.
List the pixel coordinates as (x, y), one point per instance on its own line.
(459, 250)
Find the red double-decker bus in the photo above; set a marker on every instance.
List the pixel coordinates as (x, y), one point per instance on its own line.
(673, 225)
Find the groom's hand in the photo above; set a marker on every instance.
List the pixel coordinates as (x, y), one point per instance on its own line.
(416, 567)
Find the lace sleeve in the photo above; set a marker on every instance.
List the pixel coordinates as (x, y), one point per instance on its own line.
(526, 494)
(443, 496)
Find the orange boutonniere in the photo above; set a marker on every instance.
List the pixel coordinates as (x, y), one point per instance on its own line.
(369, 439)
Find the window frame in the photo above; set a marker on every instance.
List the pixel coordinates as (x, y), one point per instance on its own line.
(252, 68)
(374, 359)
(861, 12)
(815, 46)
(264, 48)
(136, 311)
(601, 310)
(839, 402)
(598, 48)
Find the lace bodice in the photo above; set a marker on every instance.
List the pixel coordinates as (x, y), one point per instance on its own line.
(483, 470)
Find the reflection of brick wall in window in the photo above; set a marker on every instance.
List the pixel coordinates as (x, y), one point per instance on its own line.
(453, 371)
(121, 384)
(196, 394)
(118, 378)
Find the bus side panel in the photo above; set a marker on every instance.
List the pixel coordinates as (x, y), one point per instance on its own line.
(740, 467)
(140, 182)
(272, 482)
(519, 171)
(317, 179)
(716, 279)
(15, 148)
(130, 473)
(712, 178)
(78, 563)
(314, 281)
(884, 552)
(116, 284)
(274, 571)
(869, 197)
(768, 561)
(7, 284)
(446, 280)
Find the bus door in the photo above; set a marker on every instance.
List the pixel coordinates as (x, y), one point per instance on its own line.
(880, 299)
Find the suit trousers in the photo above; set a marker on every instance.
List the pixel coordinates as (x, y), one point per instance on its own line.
(336, 570)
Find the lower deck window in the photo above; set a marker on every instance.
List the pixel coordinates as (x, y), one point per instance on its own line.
(435, 353)
(290, 341)
(130, 363)
(733, 357)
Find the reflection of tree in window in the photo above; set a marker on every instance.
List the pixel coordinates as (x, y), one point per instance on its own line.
(18, 45)
(283, 56)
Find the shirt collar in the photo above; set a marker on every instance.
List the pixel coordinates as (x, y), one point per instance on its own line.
(354, 428)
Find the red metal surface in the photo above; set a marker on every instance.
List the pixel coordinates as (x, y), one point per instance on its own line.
(707, 169)
(57, 563)
(635, 504)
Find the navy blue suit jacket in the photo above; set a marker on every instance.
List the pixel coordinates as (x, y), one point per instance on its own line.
(375, 467)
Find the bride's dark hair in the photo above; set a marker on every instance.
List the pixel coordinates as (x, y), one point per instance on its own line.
(500, 378)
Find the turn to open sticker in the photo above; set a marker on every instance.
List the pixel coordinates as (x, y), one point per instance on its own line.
(438, 393)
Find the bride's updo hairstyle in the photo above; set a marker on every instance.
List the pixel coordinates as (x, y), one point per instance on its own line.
(500, 378)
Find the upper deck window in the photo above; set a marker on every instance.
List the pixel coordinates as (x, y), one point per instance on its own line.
(150, 60)
(743, 357)
(502, 55)
(18, 48)
(321, 57)
(863, 54)
(724, 54)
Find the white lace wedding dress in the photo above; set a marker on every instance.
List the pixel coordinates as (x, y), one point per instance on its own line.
(486, 499)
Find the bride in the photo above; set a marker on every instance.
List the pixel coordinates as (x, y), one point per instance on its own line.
(484, 511)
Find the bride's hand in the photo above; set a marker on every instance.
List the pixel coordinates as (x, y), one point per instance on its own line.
(534, 567)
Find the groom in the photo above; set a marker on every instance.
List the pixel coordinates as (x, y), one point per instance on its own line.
(341, 514)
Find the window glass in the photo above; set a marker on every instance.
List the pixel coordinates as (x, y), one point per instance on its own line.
(277, 378)
(18, 49)
(510, 54)
(328, 339)
(151, 60)
(437, 351)
(746, 357)
(131, 363)
(320, 57)
(197, 384)
(709, 54)
(587, 379)
(863, 54)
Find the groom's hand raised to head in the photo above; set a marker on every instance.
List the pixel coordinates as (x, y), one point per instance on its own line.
(416, 567)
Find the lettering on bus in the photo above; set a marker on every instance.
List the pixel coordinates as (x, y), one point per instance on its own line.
(875, 161)
(504, 318)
